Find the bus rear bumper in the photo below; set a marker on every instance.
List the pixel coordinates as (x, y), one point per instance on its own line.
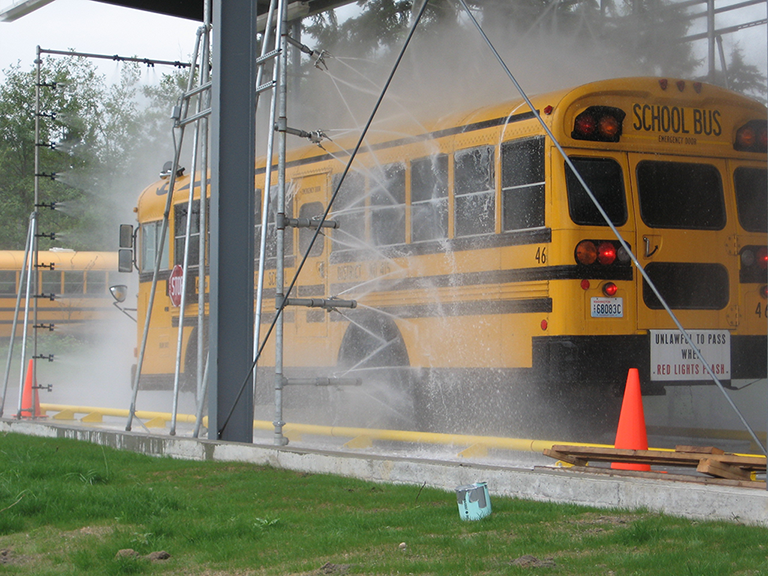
(605, 360)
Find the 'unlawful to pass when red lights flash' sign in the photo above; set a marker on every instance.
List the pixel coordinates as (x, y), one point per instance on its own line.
(672, 358)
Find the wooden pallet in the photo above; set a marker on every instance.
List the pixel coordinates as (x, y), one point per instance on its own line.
(707, 460)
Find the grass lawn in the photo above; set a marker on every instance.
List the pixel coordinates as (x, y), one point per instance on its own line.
(70, 508)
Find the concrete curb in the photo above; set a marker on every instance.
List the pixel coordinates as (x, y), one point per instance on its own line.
(742, 505)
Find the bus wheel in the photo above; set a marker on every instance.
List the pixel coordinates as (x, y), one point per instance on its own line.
(373, 351)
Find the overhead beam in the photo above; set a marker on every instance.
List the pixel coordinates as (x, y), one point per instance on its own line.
(21, 8)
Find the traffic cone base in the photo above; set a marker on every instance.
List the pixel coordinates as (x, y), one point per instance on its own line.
(29, 396)
(631, 433)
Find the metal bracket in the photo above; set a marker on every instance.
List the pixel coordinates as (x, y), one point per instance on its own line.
(325, 303)
(282, 222)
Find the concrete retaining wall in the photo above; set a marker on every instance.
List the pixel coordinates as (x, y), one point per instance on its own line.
(744, 505)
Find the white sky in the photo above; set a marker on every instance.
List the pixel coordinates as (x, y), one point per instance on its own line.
(93, 27)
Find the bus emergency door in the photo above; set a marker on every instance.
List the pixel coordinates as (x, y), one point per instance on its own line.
(311, 201)
(685, 241)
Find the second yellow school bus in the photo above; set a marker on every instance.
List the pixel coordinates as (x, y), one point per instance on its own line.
(73, 289)
(474, 253)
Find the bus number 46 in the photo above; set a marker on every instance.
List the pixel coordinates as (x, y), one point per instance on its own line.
(541, 255)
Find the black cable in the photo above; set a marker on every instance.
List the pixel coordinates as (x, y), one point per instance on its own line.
(327, 211)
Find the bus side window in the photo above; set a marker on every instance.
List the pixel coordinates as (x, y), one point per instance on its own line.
(429, 198)
(180, 231)
(311, 210)
(750, 185)
(605, 179)
(73, 282)
(522, 184)
(388, 205)
(7, 282)
(474, 183)
(50, 282)
(349, 212)
(271, 249)
(150, 236)
(95, 283)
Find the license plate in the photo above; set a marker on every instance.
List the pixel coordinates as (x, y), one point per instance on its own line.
(672, 358)
(607, 307)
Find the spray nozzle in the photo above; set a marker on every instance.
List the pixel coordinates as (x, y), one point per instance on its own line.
(320, 61)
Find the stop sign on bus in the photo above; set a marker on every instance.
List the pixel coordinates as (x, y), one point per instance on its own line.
(175, 284)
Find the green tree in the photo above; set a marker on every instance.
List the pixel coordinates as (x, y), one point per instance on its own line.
(69, 94)
(743, 77)
(643, 33)
(102, 143)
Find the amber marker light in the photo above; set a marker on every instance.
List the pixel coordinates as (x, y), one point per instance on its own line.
(586, 252)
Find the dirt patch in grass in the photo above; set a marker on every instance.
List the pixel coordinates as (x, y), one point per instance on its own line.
(98, 531)
(9, 558)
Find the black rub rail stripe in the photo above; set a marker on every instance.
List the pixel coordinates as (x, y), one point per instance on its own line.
(412, 139)
(516, 238)
(494, 277)
(467, 308)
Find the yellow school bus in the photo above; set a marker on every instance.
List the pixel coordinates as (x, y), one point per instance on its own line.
(475, 255)
(73, 288)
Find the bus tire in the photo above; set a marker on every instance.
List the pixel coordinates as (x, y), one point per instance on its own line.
(374, 351)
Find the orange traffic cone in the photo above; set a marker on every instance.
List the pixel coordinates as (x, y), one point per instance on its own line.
(631, 434)
(28, 394)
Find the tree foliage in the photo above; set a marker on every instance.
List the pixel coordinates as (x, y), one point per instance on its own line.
(95, 141)
(742, 77)
(636, 36)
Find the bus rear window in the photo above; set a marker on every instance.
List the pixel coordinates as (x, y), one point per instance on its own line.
(605, 179)
(680, 195)
(750, 185)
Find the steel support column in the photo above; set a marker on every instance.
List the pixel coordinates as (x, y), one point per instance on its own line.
(231, 257)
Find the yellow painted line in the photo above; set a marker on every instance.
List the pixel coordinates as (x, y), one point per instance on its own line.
(359, 442)
(292, 430)
(93, 416)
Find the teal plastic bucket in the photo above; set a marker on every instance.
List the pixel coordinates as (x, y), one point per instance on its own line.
(474, 501)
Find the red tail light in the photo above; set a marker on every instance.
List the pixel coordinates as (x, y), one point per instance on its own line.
(585, 125)
(754, 262)
(602, 252)
(610, 289)
(606, 253)
(752, 137)
(762, 257)
(599, 124)
(764, 292)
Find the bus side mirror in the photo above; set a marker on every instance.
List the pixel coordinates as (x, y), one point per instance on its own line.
(124, 260)
(125, 253)
(126, 236)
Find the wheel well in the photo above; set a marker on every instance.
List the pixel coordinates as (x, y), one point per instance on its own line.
(372, 341)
